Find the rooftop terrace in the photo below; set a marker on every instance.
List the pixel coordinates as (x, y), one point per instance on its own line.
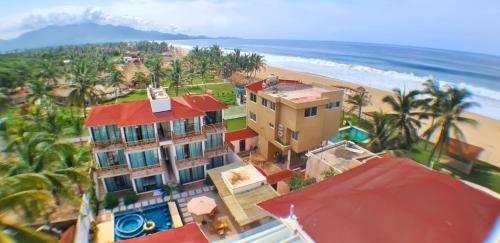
(342, 156)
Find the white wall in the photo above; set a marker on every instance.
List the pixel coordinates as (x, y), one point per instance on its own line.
(85, 218)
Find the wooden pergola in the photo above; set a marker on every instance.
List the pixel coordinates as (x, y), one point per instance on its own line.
(242, 206)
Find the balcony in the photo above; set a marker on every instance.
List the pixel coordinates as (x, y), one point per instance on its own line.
(114, 170)
(141, 144)
(214, 128)
(191, 162)
(280, 144)
(189, 135)
(167, 136)
(216, 151)
(107, 144)
(147, 170)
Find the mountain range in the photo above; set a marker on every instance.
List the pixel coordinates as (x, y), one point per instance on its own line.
(84, 34)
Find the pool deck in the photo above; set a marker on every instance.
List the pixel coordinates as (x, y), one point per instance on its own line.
(106, 223)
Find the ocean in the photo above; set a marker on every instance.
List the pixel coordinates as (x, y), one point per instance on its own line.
(380, 66)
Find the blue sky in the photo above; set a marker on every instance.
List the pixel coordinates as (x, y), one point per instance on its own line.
(450, 24)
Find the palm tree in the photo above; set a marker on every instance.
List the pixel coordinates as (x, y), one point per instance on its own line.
(4, 100)
(156, 70)
(38, 152)
(84, 82)
(406, 117)
(257, 62)
(177, 78)
(358, 100)
(27, 194)
(140, 79)
(49, 70)
(40, 90)
(453, 105)
(202, 69)
(382, 135)
(116, 80)
(433, 107)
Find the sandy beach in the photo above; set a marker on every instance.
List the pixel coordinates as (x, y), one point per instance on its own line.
(486, 134)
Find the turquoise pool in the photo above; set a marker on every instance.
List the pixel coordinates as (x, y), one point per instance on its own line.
(130, 224)
(355, 134)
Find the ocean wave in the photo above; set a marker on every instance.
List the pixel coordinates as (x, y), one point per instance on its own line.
(488, 99)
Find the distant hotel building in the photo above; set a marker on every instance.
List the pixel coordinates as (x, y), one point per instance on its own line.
(145, 144)
(291, 117)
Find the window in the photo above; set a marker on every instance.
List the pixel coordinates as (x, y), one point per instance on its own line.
(142, 159)
(215, 162)
(192, 174)
(272, 105)
(188, 150)
(253, 117)
(271, 125)
(264, 102)
(111, 158)
(295, 135)
(312, 111)
(117, 183)
(213, 141)
(332, 105)
(253, 97)
(149, 183)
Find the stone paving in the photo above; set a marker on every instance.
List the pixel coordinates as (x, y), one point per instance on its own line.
(182, 200)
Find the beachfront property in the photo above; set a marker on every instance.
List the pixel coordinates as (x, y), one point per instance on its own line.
(145, 144)
(291, 118)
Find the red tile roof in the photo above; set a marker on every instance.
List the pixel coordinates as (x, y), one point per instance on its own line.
(390, 200)
(279, 176)
(463, 149)
(188, 233)
(139, 112)
(240, 134)
(257, 86)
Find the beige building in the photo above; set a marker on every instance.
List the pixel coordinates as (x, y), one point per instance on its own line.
(291, 117)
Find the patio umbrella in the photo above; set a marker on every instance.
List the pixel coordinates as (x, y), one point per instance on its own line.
(201, 206)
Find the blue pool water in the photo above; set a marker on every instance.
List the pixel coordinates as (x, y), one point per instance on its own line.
(355, 135)
(129, 224)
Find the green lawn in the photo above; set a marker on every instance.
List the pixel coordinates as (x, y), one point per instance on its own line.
(236, 124)
(223, 92)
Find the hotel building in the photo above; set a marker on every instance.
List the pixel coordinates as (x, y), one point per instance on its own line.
(145, 144)
(291, 117)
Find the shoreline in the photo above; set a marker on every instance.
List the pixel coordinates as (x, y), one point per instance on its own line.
(484, 135)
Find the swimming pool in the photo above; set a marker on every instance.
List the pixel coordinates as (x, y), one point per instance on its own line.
(129, 224)
(355, 134)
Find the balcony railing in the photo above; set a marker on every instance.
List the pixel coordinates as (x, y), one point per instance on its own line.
(145, 167)
(214, 127)
(190, 162)
(281, 144)
(113, 167)
(215, 151)
(114, 170)
(107, 143)
(189, 135)
(147, 170)
(141, 143)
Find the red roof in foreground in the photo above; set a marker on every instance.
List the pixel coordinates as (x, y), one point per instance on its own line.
(390, 200)
(139, 112)
(188, 233)
(257, 86)
(240, 134)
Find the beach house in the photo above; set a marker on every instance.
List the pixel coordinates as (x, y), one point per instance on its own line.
(291, 117)
(145, 144)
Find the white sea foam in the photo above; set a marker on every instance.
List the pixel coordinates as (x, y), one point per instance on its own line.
(488, 99)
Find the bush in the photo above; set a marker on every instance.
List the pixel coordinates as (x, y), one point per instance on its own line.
(130, 197)
(110, 200)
